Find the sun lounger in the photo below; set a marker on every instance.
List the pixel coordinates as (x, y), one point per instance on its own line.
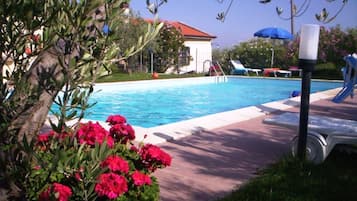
(270, 71)
(239, 69)
(295, 69)
(323, 133)
(284, 73)
(254, 70)
(276, 71)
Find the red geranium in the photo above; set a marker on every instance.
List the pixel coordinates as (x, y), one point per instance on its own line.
(134, 149)
(91, 133)
(122, 133)
(116, 164)
(58, 191)
(43, 140)
(153, 156)
(45, 137)
(116, 119)
(111, 185)
(140, 178)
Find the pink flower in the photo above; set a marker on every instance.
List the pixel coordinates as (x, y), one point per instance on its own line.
(45, 137)
(62, 135)
(43, 140)
(154, 157)
(59, 191)
(122, 133)
(140, 178)
(134, 149)
(111, 185)
(78, 176)
(116, 164)
(91, 133)
(116, 119)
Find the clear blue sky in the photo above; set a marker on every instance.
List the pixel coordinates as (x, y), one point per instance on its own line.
(245, 16)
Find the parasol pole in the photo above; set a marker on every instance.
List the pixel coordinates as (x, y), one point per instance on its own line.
(272, 57)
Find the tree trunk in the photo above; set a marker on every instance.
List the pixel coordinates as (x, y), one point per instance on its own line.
(31, 100)
(44, 80)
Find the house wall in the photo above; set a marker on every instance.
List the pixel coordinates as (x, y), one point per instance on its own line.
(200, 51)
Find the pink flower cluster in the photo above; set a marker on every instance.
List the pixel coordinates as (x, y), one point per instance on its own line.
(111, 185)
(121, 172)
(116, 119)
(140, 179)
(114, 183)
(116, 164)
(120, 131)
(154, 157)
(43, 140)
(90, 133)
(58, 191)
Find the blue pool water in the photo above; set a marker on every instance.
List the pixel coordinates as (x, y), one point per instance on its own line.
(149, 104)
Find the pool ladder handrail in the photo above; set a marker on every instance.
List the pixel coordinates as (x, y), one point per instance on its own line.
(218, 77)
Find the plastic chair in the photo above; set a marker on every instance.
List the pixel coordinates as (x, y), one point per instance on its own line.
(239, 69)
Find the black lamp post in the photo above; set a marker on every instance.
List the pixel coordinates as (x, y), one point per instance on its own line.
(309, 42)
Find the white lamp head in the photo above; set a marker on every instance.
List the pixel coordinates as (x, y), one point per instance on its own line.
(309, 41)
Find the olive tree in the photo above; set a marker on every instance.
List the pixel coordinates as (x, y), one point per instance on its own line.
(51, 47)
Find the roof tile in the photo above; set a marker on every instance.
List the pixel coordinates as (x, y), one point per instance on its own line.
(187, 31)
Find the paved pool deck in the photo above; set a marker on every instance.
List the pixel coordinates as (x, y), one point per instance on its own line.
(212, 161)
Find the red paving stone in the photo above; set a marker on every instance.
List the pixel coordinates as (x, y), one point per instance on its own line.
(211, 164)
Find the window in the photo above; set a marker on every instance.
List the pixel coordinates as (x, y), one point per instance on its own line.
(184, 57)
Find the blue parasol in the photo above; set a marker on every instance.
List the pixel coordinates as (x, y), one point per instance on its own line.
(274, 33)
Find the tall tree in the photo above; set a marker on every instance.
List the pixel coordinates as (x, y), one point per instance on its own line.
(167, 47)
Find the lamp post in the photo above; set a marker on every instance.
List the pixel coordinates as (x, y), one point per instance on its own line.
(309, 41)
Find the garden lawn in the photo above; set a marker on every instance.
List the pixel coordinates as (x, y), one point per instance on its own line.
(118, 77)
(292, 180)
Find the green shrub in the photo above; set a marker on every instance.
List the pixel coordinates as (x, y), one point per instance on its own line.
(327, 71)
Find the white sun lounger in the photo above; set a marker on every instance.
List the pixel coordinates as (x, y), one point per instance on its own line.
(323, 133)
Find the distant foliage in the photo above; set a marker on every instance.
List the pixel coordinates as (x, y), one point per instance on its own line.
(334, 44)
(257, 53)
(167, 48)
(327, 70)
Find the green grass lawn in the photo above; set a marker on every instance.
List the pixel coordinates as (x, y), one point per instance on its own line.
(118, 77)
(292, 180)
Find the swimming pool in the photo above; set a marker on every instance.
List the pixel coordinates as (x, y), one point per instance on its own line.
(159, 102)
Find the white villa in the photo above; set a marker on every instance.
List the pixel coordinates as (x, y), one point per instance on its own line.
(199, 47)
